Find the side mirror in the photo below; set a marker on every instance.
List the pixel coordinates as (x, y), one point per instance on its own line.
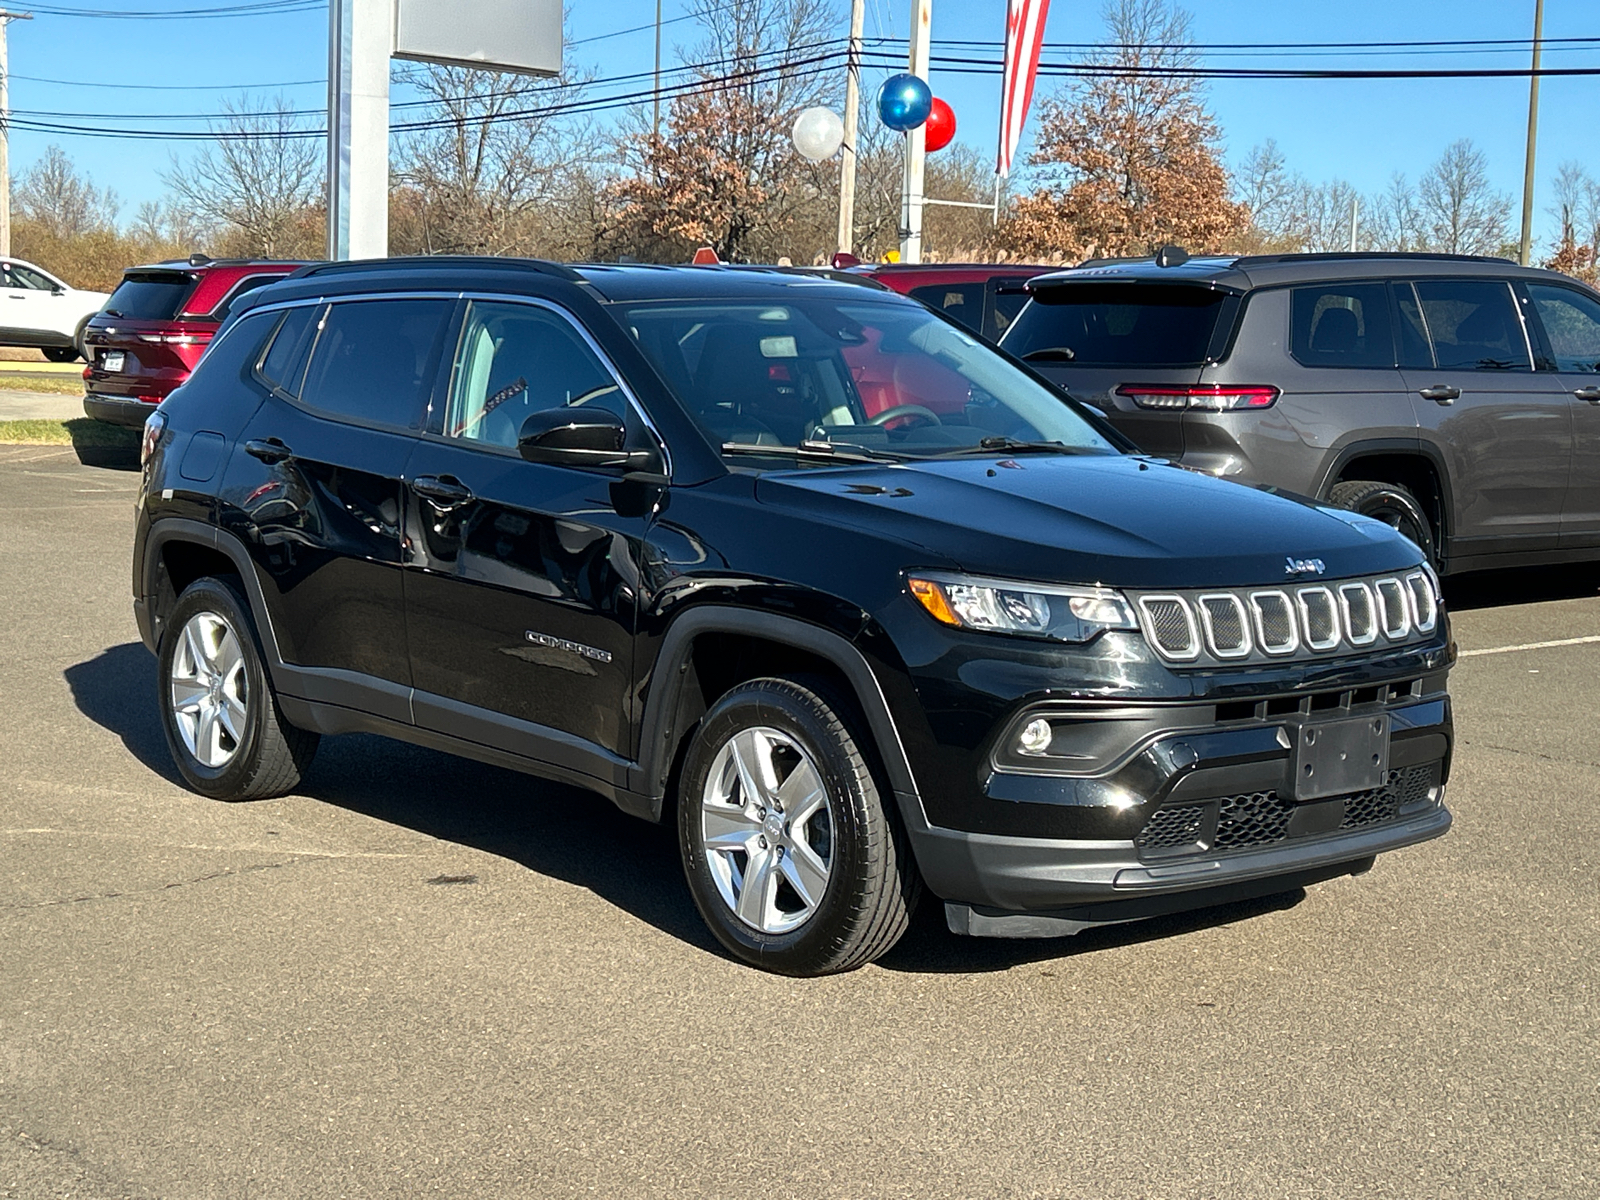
(589, 439)
(57, 290)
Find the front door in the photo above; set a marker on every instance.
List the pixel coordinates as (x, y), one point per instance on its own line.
(1505, 430)
(1569, 320)
(522, 579)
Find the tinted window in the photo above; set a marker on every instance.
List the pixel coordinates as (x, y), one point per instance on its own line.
(1342, 325)
(515, 360)
(371, 359)
(285, 363)
(1414, 348)
(247, 285)
(1117, 325)
(1009, 298)
(963, 301)
(1473, 324)
(25, 277)
(154, 297)
(1571, 322)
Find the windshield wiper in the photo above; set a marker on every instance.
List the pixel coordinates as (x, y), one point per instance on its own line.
(824, 451)
(1011, 445)
(1051, 354)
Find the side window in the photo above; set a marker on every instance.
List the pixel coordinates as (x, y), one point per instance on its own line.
(515, 360)
(1414, 348)
(1342, 325)
(1473, 324)
(1571, 322)
(963, 301)
(1008, 297)
(25, 278)
(371, 360)
(285, 363)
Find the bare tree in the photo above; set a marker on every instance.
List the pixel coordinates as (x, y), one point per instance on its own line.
(1267, 189)
(1461, 212)
(260, 185)
(1394, 221)
(63, 202)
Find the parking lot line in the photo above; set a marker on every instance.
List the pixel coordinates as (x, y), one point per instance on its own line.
(1577, 641)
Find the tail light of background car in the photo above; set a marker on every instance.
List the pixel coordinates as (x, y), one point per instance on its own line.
(1210, 397)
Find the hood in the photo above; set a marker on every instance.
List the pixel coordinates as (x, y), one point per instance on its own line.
(1120, 521)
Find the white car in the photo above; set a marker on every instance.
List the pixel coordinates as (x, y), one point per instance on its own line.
(40, 311)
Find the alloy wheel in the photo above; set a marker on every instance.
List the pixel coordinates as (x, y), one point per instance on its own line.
(209, 689)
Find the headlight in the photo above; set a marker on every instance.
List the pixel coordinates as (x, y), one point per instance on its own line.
(1060, 613)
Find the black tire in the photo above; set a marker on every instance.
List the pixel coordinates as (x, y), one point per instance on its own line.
(60, 354)
(269, 755)
(1390, 503)
(872, 884)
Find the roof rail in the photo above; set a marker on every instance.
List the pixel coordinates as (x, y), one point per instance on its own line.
(1252, 260)
(412, 261)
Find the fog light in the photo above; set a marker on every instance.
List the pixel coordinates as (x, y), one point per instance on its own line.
(1035, 737)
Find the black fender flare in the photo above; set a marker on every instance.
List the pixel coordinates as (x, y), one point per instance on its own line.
(1412, 447)
(663, 723)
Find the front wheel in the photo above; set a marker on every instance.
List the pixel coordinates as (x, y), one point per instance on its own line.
(791, 856)
(1390, 503)
(227, 735)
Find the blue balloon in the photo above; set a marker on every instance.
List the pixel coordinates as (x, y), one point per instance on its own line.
(904, 102)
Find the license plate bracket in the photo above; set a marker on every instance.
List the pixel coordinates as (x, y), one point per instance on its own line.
(1335, 758)
(112, 360)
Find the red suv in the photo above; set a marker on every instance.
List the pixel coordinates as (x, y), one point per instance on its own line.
(985, 297)
(155, 327)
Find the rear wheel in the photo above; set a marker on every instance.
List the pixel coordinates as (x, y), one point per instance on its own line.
(60, 354)
(227, 735)
(1390, 503)
(790, 853)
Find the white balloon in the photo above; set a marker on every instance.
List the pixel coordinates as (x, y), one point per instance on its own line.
(818, 133)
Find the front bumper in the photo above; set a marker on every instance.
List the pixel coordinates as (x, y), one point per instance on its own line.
(118, 410)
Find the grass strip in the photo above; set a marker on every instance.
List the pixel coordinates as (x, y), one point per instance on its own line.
(12, 381)
(80, 431)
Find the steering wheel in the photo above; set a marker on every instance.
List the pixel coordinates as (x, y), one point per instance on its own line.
(926, 415)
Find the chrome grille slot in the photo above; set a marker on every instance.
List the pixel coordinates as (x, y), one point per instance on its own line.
(1319, 617)
(1275, 627)
(1394, 609)
(1171, 626)
(1360, 619)
(1424, 607)
(1226, 623)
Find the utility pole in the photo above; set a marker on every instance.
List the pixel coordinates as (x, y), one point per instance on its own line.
(5, 130)
(656, 94)
(917, 139)
(852, 111)
(1526, 250)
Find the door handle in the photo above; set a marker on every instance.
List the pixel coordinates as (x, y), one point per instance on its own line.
(1591, 394)
(1442, 393)
(268, 450)
(446, 491)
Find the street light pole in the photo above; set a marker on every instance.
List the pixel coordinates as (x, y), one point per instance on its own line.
(852, 111)
(656, 94)
(5, 130)
(917, 139)
(1525, 251)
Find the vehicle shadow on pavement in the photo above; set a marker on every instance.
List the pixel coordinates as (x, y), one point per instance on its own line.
(1525, 585)
(930, 948)
(117, 691)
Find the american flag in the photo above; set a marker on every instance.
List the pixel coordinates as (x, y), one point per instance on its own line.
(1024, 36)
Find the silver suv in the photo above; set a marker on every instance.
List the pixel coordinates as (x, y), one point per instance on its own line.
(1456, 398)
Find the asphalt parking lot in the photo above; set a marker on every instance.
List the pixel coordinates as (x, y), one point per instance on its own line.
(424, 976)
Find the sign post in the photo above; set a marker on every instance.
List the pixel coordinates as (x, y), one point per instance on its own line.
(523, 36)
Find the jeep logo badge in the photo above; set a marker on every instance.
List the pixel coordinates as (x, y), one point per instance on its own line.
(1304, 566)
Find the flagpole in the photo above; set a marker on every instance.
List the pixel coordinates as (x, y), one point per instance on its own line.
(917, 139)
(852, 109)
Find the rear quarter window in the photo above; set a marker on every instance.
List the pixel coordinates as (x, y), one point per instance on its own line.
(1342, 325)
(1118, 325)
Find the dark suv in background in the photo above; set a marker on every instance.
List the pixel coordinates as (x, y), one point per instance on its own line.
(1455, 398)
(156, 325)
(857, 603)
(985, 297)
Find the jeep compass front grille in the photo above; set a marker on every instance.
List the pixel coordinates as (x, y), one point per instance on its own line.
(1260, 625)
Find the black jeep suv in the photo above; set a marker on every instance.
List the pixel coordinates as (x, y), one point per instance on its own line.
(860, 603)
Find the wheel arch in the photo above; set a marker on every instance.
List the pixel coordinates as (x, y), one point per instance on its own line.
(709, 650)
(177, 552)
(1416, 466)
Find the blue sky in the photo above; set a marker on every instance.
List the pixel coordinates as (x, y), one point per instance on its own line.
(1361, 131)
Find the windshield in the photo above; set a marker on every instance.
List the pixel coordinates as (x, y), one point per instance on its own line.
(1117, 325)
(873, 376)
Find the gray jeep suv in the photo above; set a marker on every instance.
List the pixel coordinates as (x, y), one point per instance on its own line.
(1455, 397)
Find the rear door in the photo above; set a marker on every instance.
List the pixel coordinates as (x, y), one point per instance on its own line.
(522, 579)
(1504, 430)
(1092, 338)
(1568, 321)
(314, 487)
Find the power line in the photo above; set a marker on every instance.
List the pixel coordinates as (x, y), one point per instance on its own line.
(215, 12)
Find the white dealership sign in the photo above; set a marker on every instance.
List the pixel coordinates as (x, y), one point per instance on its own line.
(498, 35)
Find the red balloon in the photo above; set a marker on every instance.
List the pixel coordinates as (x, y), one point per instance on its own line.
(940, 127)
